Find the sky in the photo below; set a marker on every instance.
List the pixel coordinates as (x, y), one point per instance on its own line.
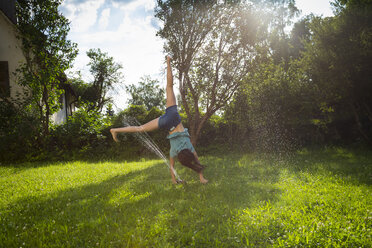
(126, 30)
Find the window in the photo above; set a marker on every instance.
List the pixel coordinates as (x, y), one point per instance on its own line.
(4, 79)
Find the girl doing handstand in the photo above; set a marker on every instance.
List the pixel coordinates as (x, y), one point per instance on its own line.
(178, 136)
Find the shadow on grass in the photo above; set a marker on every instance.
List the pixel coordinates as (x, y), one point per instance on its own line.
(141, 209)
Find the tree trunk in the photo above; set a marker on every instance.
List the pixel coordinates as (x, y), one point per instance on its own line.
(195, 133)
(359, 124)
(193, 136)
(47, 111)
(42, 123)
(369, 112)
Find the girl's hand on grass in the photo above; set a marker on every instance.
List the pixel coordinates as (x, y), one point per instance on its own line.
(178, 181)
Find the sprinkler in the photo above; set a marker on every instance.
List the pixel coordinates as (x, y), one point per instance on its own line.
(180, 181)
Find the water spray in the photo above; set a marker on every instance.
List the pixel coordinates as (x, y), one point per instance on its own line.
(149, 143)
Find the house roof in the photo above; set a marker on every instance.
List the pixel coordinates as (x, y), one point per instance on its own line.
(9, 10)
(66, 85)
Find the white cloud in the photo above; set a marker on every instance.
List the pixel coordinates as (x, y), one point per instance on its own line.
(317, 7)
(125, 32)
(82, 15)
(104, 20)
(148, 5)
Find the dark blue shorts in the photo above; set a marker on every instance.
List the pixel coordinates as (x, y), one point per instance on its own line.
(170, 119)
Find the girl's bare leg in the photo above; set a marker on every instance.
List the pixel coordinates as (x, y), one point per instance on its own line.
(171, 99)
(148, 127)
(154, 124)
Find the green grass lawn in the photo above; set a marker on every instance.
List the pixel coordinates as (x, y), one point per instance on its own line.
(310, 199)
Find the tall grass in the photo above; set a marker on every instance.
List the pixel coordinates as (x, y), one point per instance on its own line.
(309, 199)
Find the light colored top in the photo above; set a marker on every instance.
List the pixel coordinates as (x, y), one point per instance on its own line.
(179, 141)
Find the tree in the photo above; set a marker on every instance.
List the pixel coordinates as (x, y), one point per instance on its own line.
(213, 43)
(340, 57)
(300, 34)
(147, 93)
(43, 31)
(210, 54)
(281, 15)
(106, 73)
(275, 103)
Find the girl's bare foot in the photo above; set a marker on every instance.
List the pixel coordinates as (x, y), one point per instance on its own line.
(113, 133)
(203, 181)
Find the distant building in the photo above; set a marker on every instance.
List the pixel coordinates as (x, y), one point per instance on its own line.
(68, 104)
(11, 56)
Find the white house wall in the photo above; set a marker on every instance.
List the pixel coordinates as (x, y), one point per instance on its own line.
(60, 116)
(10, 50)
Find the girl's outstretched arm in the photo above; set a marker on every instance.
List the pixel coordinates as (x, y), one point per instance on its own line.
(171, 162)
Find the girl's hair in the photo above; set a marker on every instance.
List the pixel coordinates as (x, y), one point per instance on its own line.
(187, 158)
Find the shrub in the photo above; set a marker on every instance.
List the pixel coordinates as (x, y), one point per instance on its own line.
(83, 133)
(20, 131)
